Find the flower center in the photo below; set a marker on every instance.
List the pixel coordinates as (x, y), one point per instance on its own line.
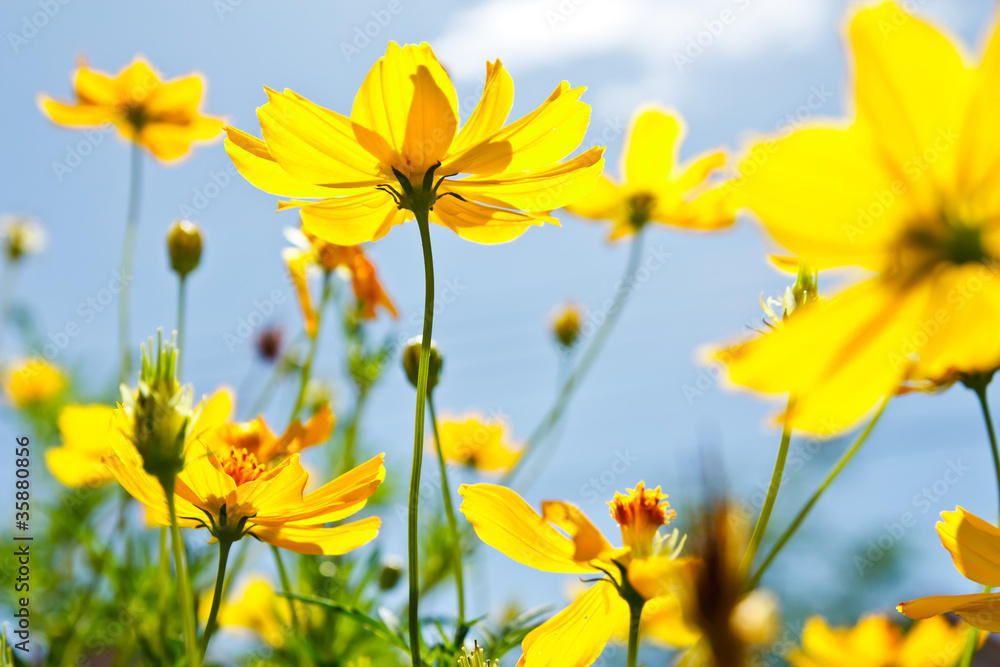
(640, 207)
(640, 514)
(954, 242)
(241, 465)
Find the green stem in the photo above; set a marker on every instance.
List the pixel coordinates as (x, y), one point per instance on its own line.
(7, 276)
(574, 379)
(413, 544)
(635, 617)
(183, 585)
(220, 580)
(313, 344)
(181, 308)
(449, 510)
(128, 253)
(772, 494)
(351, 432)
(286, 587)
(972, 641)
(832, 475)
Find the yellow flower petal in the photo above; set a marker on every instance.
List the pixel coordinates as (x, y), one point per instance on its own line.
(601, 203)
(546, 135)
(315, 144)
(974, 545)
(254, 162)
(485, 224)
(816, 213)
(94, 87)
(406, 111)
(577, 634)
(542, 190)
(913, 91)
(978, 160)
(651, 148)
(317, 540)
(350, 220)
(504, 521)
(298, 261)
(588, 542)
(837, 358)
(980, 610)
(664, 621)
(933, 642)
(84, 115)
(492, 110)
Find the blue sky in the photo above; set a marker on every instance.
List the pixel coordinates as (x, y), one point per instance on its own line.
(733, 68)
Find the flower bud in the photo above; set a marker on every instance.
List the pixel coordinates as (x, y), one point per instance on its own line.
(269, 344)
(391, 572)
(159, 411)
(21, 236)
(411, 363)
(566, 324)
(184, 246)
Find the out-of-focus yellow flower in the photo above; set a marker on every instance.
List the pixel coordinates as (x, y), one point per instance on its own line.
(33, 381)
(80, 461)
(405, 120)
(876, 642)
(163, 116)
(906, 191)
(256, 438)
(566, 324)
(474, 441)
(310, 251)
(654, 186)
(647, 565)
(262, 610)
(974, 545)
(21, 235)
(231, 494)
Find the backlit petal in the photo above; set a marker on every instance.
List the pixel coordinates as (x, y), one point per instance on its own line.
(980, 610)
(485, 224)
(492, 110)
(974, 545)
(255, 163)
(504, 521)
(651, 148)
(317, 540)
(588, 541)
(350, 220)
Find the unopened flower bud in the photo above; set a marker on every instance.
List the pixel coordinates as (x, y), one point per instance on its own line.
(411, 363)
(391, 572)
(184, 246)
(160, 411)
(269, 344)
(21, 236)
(566, 324)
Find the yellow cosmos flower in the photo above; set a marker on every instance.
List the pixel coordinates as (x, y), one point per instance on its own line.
(80, 462)
(654, 186)
(471, 440)
(231, 494)
(262, 610)
(33, 381)
(163, 116)
(646, 565)
(906, 190)
(256, 438)
(974, 545)
(402, 133)
(310, 252)
(876, 642)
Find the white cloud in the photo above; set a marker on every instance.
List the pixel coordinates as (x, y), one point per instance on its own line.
(659, 35)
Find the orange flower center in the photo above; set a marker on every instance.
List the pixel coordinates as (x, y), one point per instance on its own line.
(242, 466)
(640, 514)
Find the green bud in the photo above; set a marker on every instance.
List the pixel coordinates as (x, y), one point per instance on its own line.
(20, 236)
(184, 247)
(160, 411)
(566, 324)
(391, 573)
(411, 363)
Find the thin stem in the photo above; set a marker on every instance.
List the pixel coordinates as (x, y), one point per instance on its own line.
(413, 544)
(351, 432)
(183, 585)
(449, 510)
(181, 307)
(832, 475)
(286, 587)
(220, 580)
(972, 641)
(635, 617)
(574, 379)
(772, 494)
(7, 277)
(128, 252)
(313, 344)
